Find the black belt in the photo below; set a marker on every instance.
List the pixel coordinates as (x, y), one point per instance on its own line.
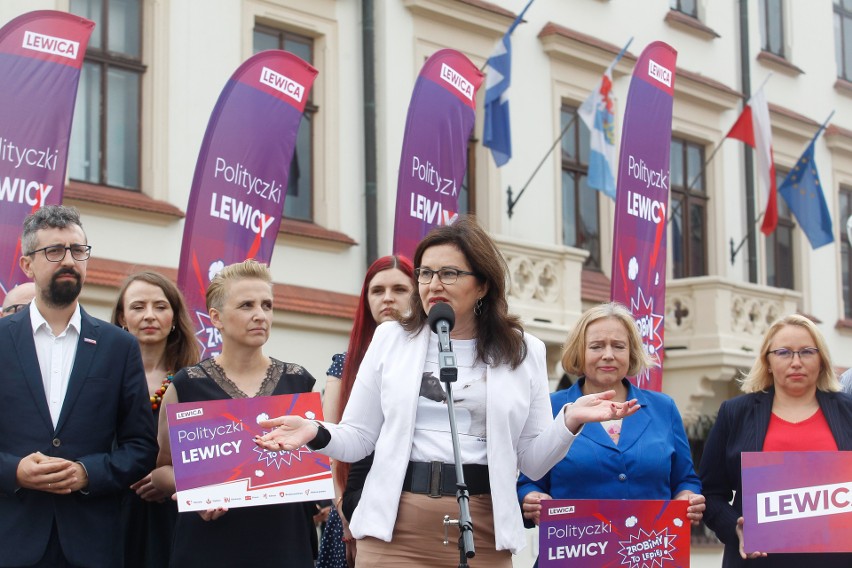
(435, 479)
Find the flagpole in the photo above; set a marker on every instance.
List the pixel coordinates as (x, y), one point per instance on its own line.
(763, 84)
(735, 251)
(512, 27)
(824, 124)
(717, 148)
(510, 202)
(519, 18)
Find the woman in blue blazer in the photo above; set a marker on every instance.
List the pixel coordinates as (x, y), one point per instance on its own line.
(644, 456)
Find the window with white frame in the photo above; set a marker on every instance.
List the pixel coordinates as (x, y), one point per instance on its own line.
(772, 27)
(581, 226)
(688, 209)
(688, 7)
(105, 136)
(299, 201)
(843, 38)
(780, 260)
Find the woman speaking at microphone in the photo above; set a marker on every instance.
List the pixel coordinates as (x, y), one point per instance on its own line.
(397, 408)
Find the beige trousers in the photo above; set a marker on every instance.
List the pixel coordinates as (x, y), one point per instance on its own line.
(418, 536)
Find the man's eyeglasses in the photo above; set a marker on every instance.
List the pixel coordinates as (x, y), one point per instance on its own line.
(56, 253)
(445, 275)
(13, 309)
(806, 354)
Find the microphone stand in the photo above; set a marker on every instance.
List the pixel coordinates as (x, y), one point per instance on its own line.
(449, 374)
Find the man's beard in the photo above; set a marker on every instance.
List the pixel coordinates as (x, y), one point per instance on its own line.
(64, 293)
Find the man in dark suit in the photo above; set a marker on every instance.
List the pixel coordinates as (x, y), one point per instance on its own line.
(75, 418)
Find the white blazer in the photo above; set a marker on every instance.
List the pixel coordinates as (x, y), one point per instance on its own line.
(380, 416)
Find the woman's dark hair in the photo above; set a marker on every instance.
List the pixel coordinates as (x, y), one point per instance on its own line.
(181, 346)
(499, 335)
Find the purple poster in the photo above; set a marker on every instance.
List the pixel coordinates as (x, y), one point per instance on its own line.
(590, 533)
(41, 54)
(237, 195)
(217, 463)
(641, 202)
(797, 501)
(434, 149)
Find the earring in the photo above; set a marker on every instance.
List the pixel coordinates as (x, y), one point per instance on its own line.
(173, 328)
(477, 307)
(124, 327)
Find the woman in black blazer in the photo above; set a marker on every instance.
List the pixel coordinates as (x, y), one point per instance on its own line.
(792, 403)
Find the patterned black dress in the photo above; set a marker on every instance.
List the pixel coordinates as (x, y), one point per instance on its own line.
(332, 550)
(268, 535)
(148, 528)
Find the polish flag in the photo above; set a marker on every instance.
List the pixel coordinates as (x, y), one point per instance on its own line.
(753, 128)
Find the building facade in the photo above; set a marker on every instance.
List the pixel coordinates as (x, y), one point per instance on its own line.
(155, 69)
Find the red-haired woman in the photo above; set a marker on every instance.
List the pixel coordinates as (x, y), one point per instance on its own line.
(385, 293)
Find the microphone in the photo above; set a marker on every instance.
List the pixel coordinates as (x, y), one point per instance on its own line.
(442, 318)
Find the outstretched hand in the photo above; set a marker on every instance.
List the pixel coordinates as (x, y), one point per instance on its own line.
(288, 433)
(597, 407)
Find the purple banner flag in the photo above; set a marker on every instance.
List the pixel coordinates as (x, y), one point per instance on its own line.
(41, 54)
(641, 203)
(240, 181)
(434, 149)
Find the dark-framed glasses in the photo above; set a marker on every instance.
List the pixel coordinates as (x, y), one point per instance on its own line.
(13, 309)
(56, 253)
(445, 275)
(805, 354)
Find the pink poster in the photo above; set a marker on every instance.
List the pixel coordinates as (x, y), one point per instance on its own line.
(797, 501)
(590, 533)
(217, 463)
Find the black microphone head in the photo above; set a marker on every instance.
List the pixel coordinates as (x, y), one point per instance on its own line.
(441, 311)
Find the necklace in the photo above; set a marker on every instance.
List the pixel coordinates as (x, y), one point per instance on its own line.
(157, 397)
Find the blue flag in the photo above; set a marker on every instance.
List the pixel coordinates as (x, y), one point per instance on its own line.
(802, 191)
(598, 112)
(497, 133)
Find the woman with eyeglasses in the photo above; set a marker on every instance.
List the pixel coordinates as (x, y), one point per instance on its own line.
(152, 309)
(384, 297)
(398, 408)
(792, 404)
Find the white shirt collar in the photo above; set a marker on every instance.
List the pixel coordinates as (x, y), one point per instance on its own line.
(38, 320)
